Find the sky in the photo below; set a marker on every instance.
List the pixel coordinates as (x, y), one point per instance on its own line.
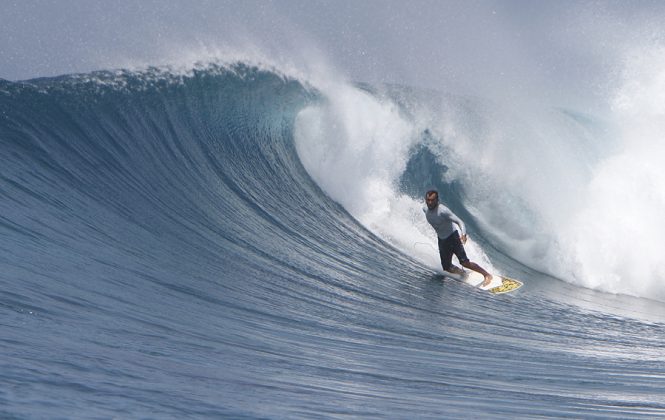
(489, 47)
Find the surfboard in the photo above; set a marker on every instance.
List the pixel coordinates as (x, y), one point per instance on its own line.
(497, 286)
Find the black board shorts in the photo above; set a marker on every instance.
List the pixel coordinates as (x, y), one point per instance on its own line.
(449, 246)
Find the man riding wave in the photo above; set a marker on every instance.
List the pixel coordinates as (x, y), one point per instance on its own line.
(443, 220)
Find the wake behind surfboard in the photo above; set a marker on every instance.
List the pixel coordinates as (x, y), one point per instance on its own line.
(497, 286)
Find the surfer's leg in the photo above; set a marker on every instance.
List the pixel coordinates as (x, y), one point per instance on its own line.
(460, 253)
(475, 267)
(446, 254)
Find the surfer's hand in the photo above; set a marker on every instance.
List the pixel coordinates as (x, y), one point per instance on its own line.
(463, 238)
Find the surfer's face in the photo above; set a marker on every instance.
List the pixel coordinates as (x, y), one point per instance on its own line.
(432, 201)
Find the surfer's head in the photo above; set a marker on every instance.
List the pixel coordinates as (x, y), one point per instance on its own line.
(432, 199)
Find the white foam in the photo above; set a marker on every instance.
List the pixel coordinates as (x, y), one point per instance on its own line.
(617, 237)
(586, 207)
(355, 146)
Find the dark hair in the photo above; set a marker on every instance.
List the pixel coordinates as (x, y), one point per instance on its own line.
(430, 192)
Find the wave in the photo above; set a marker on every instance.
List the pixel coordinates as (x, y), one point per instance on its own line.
(528, 184)
(233, 229)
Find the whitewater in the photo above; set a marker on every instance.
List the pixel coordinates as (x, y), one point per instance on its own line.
(238, 240)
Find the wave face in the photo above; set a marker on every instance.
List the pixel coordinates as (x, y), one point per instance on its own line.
(174, 245)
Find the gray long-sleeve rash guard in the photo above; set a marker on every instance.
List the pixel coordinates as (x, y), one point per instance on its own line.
(443, 220)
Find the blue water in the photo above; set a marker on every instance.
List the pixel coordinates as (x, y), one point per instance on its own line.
(165, 254)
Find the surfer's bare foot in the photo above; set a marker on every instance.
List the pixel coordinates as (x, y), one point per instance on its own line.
(488, 280)
(456, 270)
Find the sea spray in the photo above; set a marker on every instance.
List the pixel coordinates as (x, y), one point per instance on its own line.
(617, 238)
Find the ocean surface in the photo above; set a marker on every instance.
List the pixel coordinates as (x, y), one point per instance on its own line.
(231, 241)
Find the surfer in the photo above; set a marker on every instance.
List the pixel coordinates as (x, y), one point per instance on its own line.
(450, 241)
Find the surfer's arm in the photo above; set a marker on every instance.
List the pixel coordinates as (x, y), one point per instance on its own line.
(458, 222)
